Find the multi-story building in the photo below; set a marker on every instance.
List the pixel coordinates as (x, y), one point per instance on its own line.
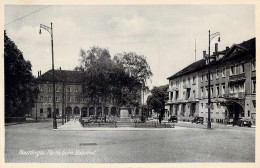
(233, 86)
(68, 97)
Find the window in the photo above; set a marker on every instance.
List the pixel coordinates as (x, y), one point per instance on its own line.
(57, 89)
(201, 79)
(189, 81)
(242, 88)
(69, 99)
(253, 65)
(49, 89)
(57, 99)
(201, 105)
(194, 95)
(242, 68)
(49, 98)
(211, 92)
(232, 70)
(176, 95)
(217, 91)
(194, 80)
(223, 89)
(76, 90)
(211, 76)
(237, 69)
(223, 72)
(206, 94)
(207, 76)
(254, 86)
(201, 91)
(188, 93)
(68, 89)
(41, 98)
(217, 74)
(76, 99)
(41, 88)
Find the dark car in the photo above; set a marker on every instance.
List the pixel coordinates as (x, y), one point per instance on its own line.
(243, 123)
(142, 118)
(197, 120)
(173, 119)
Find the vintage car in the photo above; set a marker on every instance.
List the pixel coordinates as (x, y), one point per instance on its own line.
(197, 120)
(173, 119)
(243, 123)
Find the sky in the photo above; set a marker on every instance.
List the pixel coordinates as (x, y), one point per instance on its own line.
(164, 34)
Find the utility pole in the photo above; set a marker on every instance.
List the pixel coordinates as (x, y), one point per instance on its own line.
(211, 36)
(50, 30)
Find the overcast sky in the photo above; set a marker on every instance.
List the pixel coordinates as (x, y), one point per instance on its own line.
(164, 34)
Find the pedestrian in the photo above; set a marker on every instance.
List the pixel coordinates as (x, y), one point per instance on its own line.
(74, 119)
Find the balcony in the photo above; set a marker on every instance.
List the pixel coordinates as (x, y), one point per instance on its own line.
(169, 102)
(171, 89)
(186, 86)
(239, 95)
(237, 78)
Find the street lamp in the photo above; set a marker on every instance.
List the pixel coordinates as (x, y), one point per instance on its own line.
(50, 30)
(211, 36)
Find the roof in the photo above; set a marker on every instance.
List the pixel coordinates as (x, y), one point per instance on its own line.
(62, 76)
(247, 46)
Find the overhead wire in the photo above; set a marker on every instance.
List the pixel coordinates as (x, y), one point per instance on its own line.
(27, 15)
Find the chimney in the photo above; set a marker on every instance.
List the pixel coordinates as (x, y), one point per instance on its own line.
(227, 48)
(60, 68)
(204, 54)
(216, 47)
(38, 74)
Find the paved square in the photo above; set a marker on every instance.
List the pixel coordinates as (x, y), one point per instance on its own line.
(184, 143)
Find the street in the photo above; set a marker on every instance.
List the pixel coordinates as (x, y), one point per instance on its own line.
(184, 143)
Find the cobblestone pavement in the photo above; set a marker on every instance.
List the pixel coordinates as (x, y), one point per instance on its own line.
(37, 142)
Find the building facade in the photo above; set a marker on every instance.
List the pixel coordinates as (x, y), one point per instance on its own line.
(233, 86)
(68, 97)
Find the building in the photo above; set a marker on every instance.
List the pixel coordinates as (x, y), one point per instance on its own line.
(68, 97)
(233, 86)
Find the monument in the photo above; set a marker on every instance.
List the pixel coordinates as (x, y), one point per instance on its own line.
(124, 114)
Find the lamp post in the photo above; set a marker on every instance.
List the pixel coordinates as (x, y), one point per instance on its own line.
(50, 30)
(211, 36)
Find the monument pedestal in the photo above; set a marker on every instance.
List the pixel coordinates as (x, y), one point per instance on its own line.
(124, 114)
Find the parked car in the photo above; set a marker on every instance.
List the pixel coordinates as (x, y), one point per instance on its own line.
(142, 118)
(173, 119)
(243, 123)
(197, 120)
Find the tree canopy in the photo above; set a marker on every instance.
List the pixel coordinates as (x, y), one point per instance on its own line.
(20, 85)
(156, 101)
(118, 81)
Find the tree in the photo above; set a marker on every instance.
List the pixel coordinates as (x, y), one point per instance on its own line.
(139, 70)
(97, 66)
(135, 65)
(20, 85)
(156, 101)
(118, 81)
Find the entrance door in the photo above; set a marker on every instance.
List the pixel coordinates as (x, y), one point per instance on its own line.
(192, 109)
(49, 112)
